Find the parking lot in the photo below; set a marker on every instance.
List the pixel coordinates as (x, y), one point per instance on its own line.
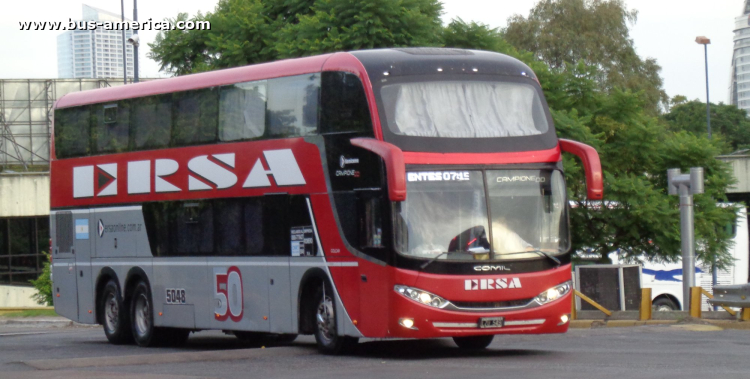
(659, 351)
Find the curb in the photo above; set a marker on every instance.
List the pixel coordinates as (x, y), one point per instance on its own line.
(593, 324)
(42, 322)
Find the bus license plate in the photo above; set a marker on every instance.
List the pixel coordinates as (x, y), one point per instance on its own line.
(491, 322)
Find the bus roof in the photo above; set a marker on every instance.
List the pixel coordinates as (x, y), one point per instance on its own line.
(261, 71)
(397, 61)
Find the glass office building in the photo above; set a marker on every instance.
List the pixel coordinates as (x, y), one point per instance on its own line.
(739, 89)
(94, 53)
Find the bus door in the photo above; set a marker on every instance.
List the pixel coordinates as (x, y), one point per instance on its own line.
(83, 240)
(64, 287)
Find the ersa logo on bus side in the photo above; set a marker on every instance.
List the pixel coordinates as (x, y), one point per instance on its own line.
(343, 161)
(101, 179)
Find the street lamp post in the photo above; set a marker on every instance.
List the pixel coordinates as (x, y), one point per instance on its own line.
(705, 41)
(124, 55)
(135, 45)
(702, 40)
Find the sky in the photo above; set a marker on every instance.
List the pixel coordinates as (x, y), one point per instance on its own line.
(665, 31)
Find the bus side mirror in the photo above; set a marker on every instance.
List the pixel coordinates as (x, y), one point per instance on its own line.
(592, 165)
(394, 165)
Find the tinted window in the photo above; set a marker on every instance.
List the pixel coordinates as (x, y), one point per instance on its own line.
(242, 111)
(343, 104)
(267, 225)
(110, 124)
(293, 106)
(151, 121)
(239, 227)
(72, 138)
(196, 115)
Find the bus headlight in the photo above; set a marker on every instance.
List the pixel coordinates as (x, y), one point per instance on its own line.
(420, 296)
(554, 293)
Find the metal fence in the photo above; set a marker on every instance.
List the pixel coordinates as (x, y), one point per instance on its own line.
(26, 117)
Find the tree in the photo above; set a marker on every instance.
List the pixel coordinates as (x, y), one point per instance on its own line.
(728, 122)
(638, 217)
(561, 32)
(255, 31)
(337, 25)
(43, 284)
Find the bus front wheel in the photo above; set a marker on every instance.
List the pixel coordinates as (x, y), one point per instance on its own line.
(326, 332)
(114, 316)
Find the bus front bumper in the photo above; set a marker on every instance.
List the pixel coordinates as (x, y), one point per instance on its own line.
(413, 320)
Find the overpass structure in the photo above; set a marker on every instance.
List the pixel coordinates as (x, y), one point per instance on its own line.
(740, 164)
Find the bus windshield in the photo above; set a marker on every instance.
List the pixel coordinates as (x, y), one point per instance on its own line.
(463, 109)
(449, 215)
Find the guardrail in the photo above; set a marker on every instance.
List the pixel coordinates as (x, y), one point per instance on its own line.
(737, 296)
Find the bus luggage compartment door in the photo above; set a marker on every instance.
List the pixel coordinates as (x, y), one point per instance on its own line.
(64, 291)
(83, 241)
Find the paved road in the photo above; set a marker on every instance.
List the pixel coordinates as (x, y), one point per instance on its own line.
(686, 351)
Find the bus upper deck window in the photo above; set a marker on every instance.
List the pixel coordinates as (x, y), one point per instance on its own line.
(292, 108)
(242, 111)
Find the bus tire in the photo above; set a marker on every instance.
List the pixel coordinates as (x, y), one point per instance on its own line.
(145, 333)
(114, 316)
(326, 334)
(664, 304)
(473, 342)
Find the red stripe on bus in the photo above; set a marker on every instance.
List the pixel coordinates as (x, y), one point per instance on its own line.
(541, 156)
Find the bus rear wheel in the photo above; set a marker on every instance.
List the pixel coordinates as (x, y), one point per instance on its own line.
(142, 319)
(473, 342)
(326, 334)
(114, 316)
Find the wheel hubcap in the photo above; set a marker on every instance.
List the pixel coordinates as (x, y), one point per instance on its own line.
(111, 313)
(326, 319)
(142, 313)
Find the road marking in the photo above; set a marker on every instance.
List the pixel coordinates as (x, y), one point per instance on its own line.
(20, 334)
(698, 327)
(159, 359)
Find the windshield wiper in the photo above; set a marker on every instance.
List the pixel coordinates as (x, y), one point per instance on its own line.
(432, 260)
(548, 255)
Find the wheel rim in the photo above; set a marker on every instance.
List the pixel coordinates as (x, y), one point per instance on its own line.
(326, 320)
(663, 308)
(142, 319)
(111, 312)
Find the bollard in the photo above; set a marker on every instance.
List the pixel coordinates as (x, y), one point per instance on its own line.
(745, 314)
(573, 315)
(644, 313)
(695, 302)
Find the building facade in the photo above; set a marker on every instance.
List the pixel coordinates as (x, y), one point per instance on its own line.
(26, 114)
(94, 53)
(739, 89)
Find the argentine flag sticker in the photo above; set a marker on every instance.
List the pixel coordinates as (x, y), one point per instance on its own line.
(82, 229)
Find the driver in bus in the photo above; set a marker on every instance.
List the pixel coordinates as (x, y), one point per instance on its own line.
(505, 240)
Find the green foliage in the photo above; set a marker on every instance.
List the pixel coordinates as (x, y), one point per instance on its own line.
(43, 285)
(254, 31)
(636, 149)
(560, 32)
(728, 122)
(337, 25)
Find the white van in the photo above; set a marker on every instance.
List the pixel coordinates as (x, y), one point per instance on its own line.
(665, 279)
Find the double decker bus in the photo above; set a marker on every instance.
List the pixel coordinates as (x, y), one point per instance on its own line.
(395, 193)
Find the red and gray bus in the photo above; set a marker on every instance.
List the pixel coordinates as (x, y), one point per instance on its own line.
(393, 193)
